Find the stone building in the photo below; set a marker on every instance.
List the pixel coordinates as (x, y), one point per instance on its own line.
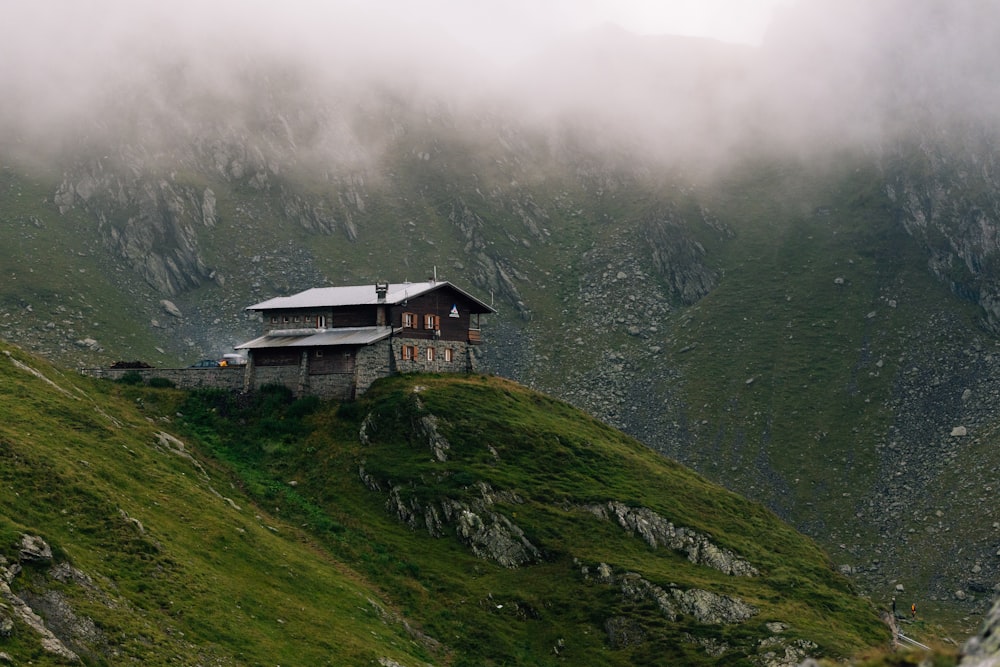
(335, 341)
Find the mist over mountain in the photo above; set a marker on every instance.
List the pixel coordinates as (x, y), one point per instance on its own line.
(777, 264)
(826, 74)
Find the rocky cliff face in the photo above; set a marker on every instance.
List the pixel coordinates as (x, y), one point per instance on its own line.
(945, 189)
(983, 650)
(146, 223)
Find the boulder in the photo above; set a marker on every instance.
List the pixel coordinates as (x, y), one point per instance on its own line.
(170, 309)
(983, 650)
(34, 549)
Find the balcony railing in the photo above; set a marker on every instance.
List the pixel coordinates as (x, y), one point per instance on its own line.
(475, 337)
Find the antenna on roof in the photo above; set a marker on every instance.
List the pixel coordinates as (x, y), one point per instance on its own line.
(435, 273)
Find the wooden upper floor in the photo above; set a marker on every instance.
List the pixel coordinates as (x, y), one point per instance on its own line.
(432, 310)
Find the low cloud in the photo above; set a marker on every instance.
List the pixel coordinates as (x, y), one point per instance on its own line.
(827, 73)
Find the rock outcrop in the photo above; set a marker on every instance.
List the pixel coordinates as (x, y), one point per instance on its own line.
(657, 531)
(983, 650)
(945, 193)
(15, 608)
(488, 533)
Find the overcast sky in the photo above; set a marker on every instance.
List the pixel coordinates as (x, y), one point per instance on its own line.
(499, 29)
(505, 28)
(56, 53)
(824, 67)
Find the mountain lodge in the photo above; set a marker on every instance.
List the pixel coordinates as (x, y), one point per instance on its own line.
(335, 341)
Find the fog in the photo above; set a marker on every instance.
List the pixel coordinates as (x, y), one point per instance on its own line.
(825, 73)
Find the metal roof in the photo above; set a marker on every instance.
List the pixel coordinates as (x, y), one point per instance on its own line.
(324, 337)
(356, 295)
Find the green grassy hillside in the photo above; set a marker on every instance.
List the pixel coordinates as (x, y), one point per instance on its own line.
(206, 529)
(167, 563)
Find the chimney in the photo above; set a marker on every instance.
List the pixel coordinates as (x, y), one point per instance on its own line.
(381, 289)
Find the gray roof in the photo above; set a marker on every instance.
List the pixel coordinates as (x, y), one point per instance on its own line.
(299, 338)
(356, 295)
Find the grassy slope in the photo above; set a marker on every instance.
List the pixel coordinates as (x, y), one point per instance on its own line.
(58, 284)
(200, 580)
(789, 363)
(779, 358)
(320, 573)
(556, 460)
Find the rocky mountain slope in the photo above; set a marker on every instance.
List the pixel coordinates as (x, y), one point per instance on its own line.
(807, 316)
(436, 521)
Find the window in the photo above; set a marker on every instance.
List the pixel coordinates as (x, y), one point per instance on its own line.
(431, 322)
(285, 319)
(430, 354)
(447, 354)
(321, 322)
(297, 318)
(274, 319)
(409, 352)
(410, 320)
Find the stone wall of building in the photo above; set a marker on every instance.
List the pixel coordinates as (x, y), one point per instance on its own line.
(373, 362)
(336, 386)
(229, 377)
(462, 359)
(287, 376)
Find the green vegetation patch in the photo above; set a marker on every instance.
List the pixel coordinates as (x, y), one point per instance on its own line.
(545, 467)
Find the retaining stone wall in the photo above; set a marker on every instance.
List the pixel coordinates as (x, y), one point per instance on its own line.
(228, 377)
(372, 362)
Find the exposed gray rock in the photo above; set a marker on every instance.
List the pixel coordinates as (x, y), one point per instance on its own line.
(413, 513)
(490, 535)
(623, 632)
(438, 443)
(951, 207)
(705, 606)
(208, 208)
(6, 622)
(170, 308)
(679, 258)
(494, 537)
(88, 343)
(34, 549)
(657, 531)
(776, 652)
(709, 607)
(983, 650)
(74, 630)
(49, 642)
(637, 587)
(711, 646)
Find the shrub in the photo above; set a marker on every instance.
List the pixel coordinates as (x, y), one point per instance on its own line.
(350, 411)
(132, 377)
(303, 406)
